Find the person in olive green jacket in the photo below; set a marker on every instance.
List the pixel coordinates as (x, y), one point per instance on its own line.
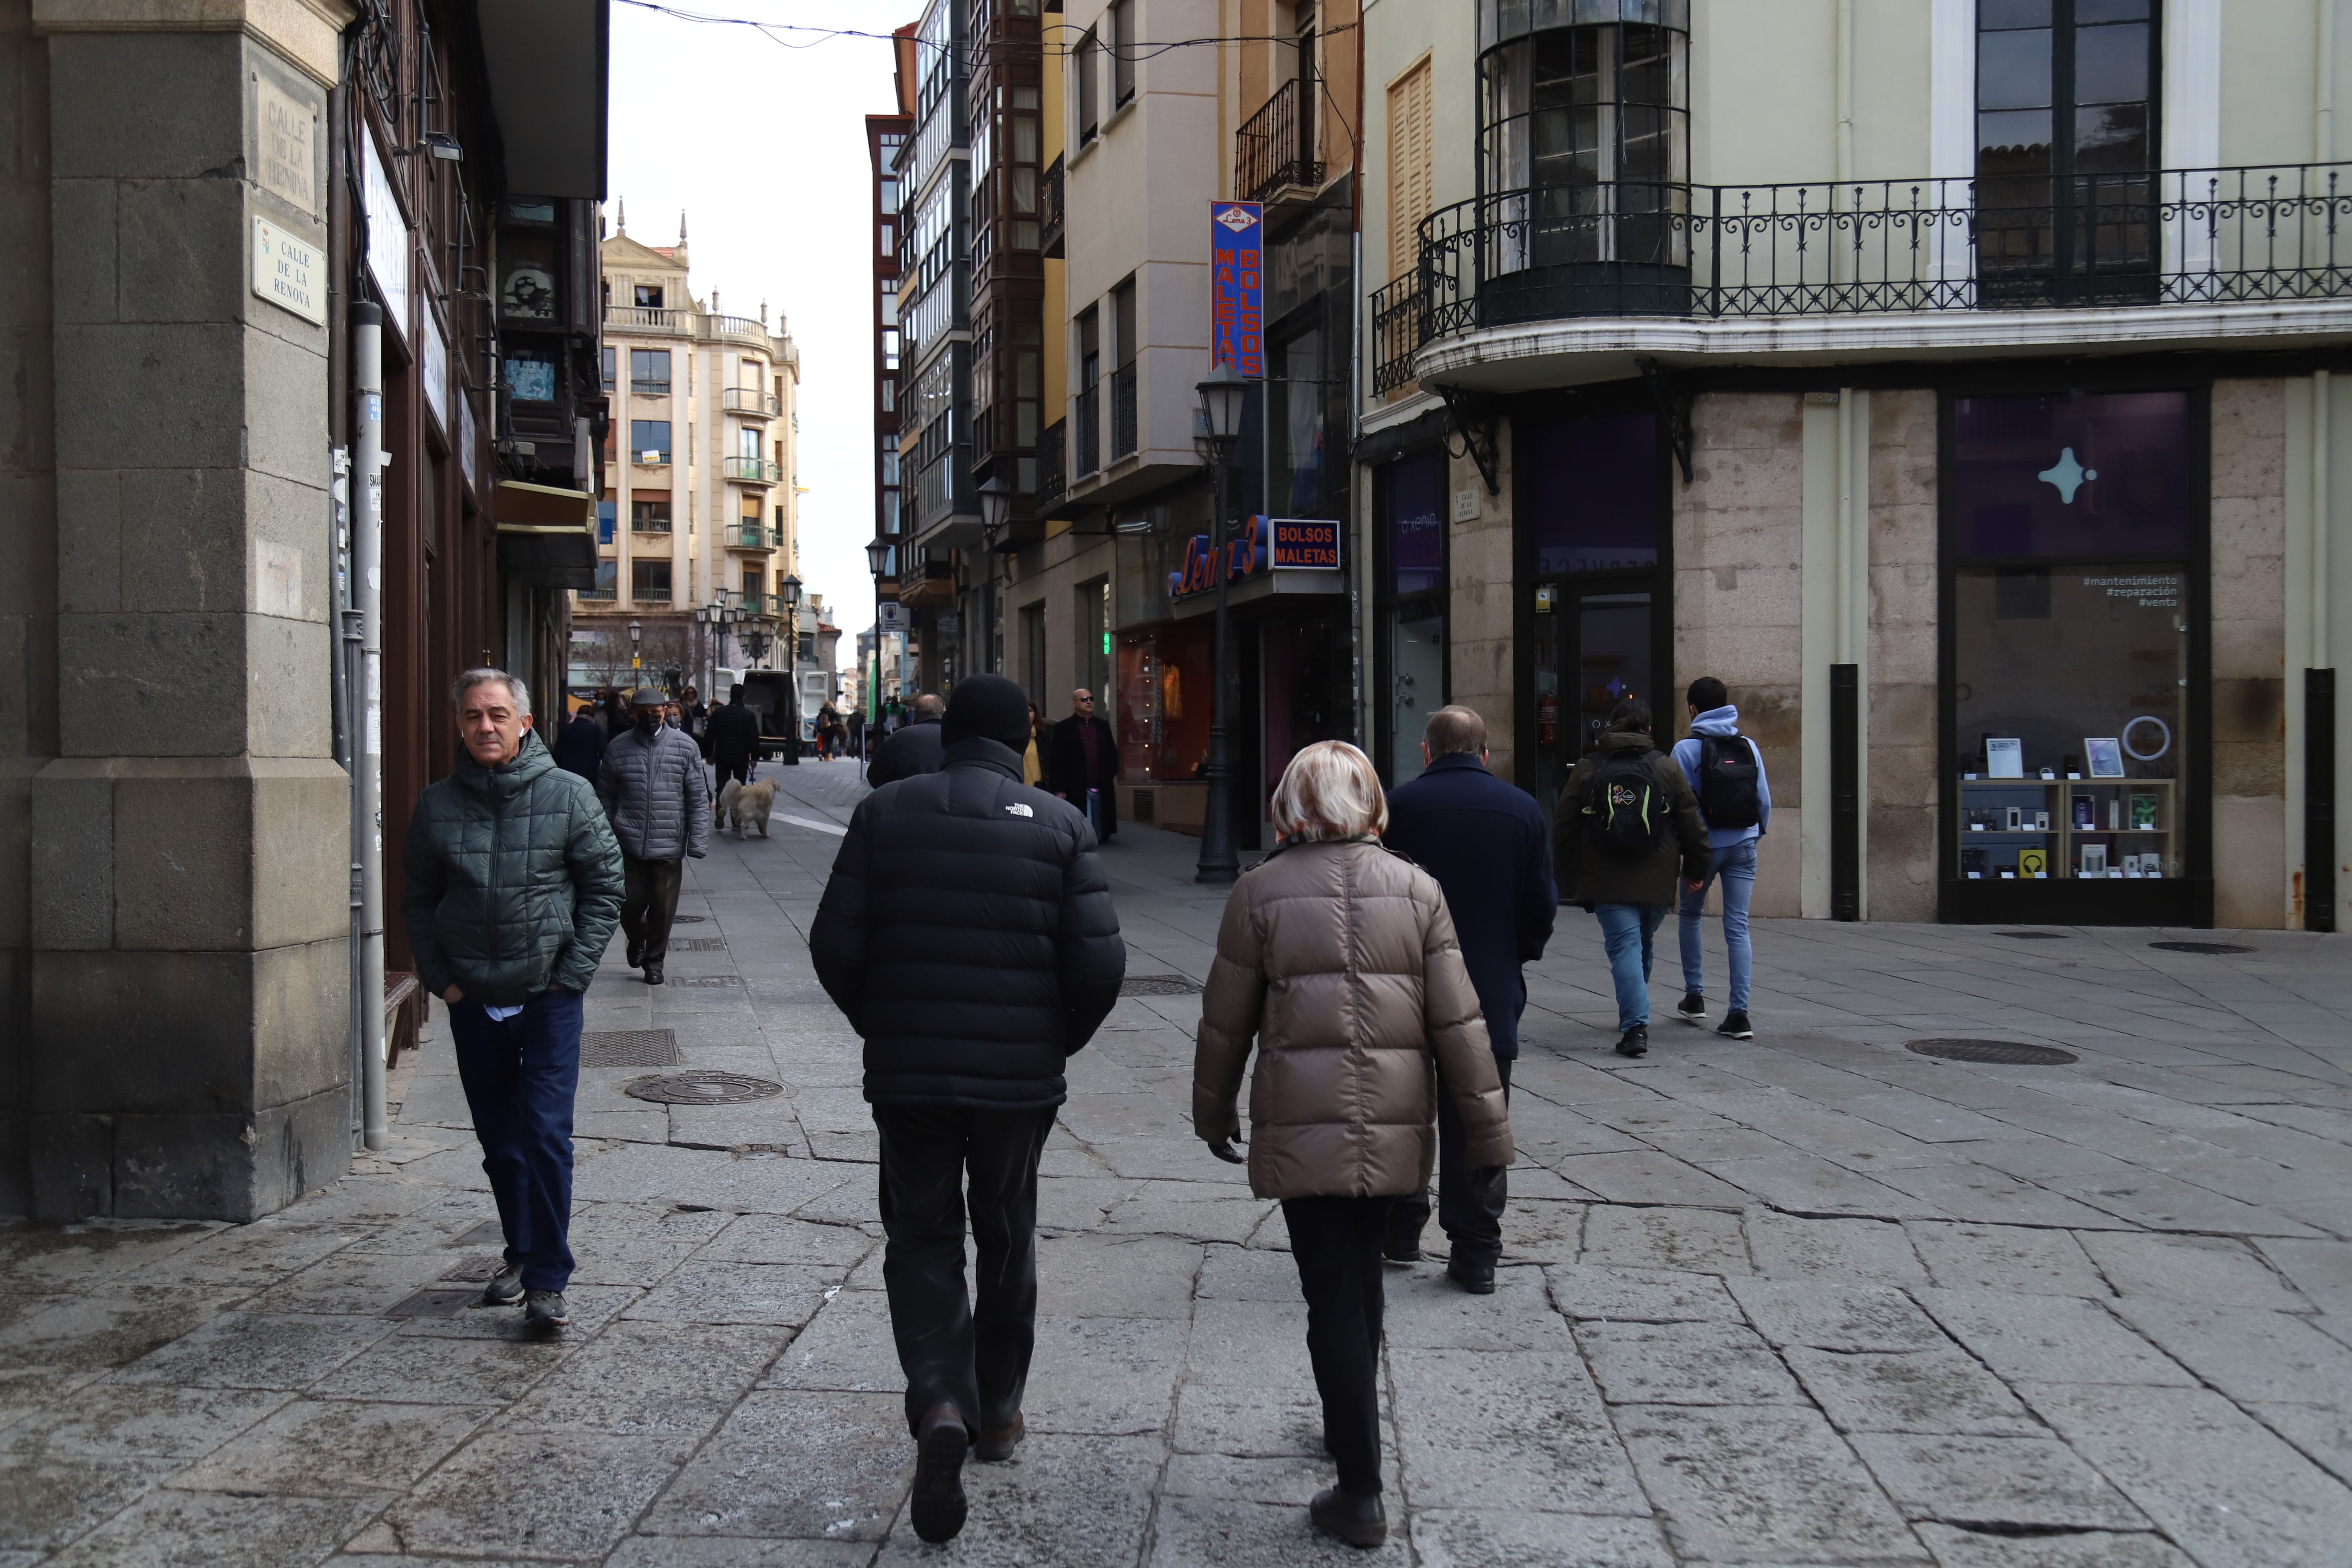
(511, 890)
(1628, 825)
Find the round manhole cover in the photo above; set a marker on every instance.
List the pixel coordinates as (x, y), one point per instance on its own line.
(2002, 1053)
(701, 1089)
(2199, 947)
(2033, 935)
(1157, 985)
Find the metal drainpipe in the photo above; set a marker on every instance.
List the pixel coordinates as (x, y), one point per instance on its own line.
(367, 781)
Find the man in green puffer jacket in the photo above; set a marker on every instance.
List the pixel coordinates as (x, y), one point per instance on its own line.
(512, 888)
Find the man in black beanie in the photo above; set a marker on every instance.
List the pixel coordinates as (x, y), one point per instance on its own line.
(967, 933)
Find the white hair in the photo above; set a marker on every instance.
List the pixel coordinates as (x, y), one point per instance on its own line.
(1329, 791)
(517, 692)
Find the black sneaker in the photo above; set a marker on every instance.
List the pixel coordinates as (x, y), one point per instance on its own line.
(505, 1288)
(544, 1311)
(1691, 1008)
(1736, 1027)
(637, 953)
(938, 1504)
(1636, 1042)
(653, 975)
(1477, 1277)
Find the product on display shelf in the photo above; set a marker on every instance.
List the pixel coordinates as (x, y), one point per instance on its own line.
(2094, 860)
(2083, 808)
(2013, 817)
(2040, 822)
(2143, 813)
(2107, 755)
(2034, 862)
(2004, 757)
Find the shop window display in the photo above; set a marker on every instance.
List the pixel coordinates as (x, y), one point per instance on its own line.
(2071, 637)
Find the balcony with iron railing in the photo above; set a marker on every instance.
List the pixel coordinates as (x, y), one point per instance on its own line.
(752, 536)
(1051, 464)
(1086, 451)
(1274, 152)
(1049, 211)
(1884, 267)
(750, 470)
(1122, 412)
(751, 402)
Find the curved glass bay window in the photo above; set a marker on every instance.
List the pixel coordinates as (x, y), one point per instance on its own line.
(2076, 643)
(1584, 157)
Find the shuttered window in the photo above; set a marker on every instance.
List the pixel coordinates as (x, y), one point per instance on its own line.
(1411, 179)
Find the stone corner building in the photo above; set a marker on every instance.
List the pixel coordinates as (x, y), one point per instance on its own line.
(191, 198)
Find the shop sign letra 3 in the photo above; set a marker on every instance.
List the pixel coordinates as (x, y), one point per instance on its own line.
(1281, 544)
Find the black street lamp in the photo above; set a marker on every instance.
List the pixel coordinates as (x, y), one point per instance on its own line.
(636, 643)
(995, 512)
(1223, 397)
(788, 595)
(877, 561)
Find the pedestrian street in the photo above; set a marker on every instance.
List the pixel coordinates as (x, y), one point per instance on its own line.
(1812, 1299)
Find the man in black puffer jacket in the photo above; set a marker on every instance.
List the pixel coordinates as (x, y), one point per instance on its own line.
(653, 788)
(512, 884)
(968, 934)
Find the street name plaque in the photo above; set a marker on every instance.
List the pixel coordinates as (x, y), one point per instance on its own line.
(286, 271)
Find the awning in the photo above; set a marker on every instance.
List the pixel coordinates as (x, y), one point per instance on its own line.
(548, 68)
(541, 509)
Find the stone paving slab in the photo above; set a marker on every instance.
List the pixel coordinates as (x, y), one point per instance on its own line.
(1807, 1300)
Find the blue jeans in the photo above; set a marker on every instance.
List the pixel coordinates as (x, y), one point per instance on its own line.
(521, 1076)
(1736, 864)
(1627, 931)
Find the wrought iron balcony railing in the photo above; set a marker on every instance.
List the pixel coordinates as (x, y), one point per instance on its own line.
(2173, 236)
(1086, 454)
(751, 402)
(751, 536)
(1050, 464)
(1122, 411)
(1275, 148)
(751, 470)
(1049, 210)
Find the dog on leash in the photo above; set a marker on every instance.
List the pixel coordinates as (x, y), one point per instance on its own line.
(746, 806)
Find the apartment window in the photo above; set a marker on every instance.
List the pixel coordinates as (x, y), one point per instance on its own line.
(649, 441)
(1412, 181)
(890, 347)
(755, 583)
(649, 514)
(649, 582)
(1591, 122)
(1122, 51)
(608, 581)
(889, 387)
(2065, 143)
(747, 444)
(648, 296)
(1085, 65)
(609, 355)
(889, 288)
(648, 372)
(607, 519)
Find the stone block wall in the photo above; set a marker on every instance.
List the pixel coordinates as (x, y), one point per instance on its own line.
(1480, 562)
(1901, 670)
(2248, 642)
(1738, 603)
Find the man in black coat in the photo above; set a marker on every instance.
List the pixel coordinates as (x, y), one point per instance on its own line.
(734, 737)
(968, 934)
(1085, 756)
(915, 748)
(1484, 841)
(579, 745)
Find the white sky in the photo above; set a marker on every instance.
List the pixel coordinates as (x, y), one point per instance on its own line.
(764, 147)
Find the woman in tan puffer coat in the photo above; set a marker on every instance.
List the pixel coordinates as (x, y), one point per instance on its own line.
(1340, 958)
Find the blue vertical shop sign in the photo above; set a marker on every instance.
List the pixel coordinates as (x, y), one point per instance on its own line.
(1237, 287)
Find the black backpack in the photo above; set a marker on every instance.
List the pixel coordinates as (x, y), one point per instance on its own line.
(1624, 810)
(1728, 773)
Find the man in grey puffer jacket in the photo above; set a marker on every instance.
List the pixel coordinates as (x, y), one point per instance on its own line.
(654, 789)
(510, 882)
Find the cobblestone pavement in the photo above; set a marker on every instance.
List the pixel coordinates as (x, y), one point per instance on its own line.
(1810, 1299)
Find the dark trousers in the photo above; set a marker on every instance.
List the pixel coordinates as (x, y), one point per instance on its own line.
(1337, 1245)
(648, 903)
(521, 1075)
(954, 1350)
(1469, 1203)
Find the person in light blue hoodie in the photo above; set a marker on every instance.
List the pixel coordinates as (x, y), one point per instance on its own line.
(1726, 769)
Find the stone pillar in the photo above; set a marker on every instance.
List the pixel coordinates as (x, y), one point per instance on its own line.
(187, 904)
(1483, 670)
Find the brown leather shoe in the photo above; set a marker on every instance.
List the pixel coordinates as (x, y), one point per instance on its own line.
(937, 1501)
(996, 1443)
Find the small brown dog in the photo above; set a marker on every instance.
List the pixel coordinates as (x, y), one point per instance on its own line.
(747, 806)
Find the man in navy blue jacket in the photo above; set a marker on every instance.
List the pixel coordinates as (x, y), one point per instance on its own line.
(1484, 843)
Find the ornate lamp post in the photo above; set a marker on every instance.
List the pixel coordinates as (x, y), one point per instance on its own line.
(788, 595)
(712, 619)
(1223, 397)
(995, 512)
(637, 644)
(877, 561)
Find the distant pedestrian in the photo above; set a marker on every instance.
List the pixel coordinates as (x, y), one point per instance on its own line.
(853, 728)
(579, 745)
(829, 732)
(734, 738)
(1083, 763)
(1033, 758)
(511, 884)
(1484, 841)
(966, 933)
(915, 748)
(1339, 958)
(1627, 822)
(1725, 769)
(654, 789)
(894, 716)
